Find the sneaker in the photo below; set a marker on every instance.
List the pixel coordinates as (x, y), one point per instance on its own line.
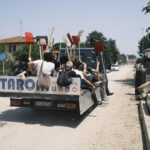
(99, 103)
(97, 83)
(106, 99)
(110, 94)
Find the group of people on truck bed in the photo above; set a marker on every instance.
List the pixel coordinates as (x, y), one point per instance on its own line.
(65, 70)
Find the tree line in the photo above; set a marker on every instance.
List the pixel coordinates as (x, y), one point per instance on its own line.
(144, 42)
(111, 52)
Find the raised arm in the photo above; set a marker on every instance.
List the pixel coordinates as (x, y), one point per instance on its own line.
(89, 83)
(30, 66)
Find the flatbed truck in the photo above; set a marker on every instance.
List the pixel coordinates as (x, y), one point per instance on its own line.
(27, 94)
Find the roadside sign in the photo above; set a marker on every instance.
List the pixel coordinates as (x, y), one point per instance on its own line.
(3, 56)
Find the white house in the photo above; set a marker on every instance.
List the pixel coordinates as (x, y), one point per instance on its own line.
(147, 52)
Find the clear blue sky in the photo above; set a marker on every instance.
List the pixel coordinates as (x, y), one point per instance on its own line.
(121, 20)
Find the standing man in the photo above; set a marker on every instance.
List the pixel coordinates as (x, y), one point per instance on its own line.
(102, 69)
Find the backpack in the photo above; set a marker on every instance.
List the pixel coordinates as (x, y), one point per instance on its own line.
(64, 79)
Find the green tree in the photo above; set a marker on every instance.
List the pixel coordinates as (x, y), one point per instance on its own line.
(2, 48)
(82, 45)
(122, 59)
(146, 9)
(131, 57)
(111, 52)
(24, 53)
(57, 46)
(144, 43)
(93, 37)
(114, 52)
(10, 63)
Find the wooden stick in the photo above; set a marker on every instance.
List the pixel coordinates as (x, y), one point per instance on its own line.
(71, 41)
(40, 49)
(74, 52)
(71, 52)
(79, 35)
(50, 44)
(79, 52)
(68, 53)
(65, 41)
(29, 58)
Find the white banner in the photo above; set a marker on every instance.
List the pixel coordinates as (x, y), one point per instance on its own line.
(13, 84)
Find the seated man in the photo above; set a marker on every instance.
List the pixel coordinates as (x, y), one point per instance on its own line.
(44, 69)
(96, 78)
(22, 70)
(78, 71)
(86, 84)
(66, 74)
(57, 69)
(90, 73)
(48, 65)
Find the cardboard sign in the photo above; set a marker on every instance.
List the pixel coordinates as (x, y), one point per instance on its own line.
(11, 84)
(29, 37)
(98, 46)
(70, 38)
(75, 40)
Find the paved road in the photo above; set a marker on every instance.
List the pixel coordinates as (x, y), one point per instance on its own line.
(112, 126)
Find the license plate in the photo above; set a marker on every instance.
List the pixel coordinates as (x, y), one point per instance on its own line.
(40, 103)
(61, 105)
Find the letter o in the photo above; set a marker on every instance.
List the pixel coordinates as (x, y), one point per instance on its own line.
(27, 84)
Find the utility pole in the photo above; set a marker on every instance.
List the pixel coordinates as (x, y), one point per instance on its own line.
(20, 26)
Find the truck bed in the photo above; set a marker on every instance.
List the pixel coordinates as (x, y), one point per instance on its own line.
(23, 94)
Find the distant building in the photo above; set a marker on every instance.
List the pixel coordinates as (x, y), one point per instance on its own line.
(147, 52)
(12, 44)
(131, 61)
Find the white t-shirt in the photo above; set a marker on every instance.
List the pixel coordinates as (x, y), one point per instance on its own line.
(80, 73)
(47, 67)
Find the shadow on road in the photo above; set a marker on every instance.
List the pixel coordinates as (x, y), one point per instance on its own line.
(146, 109)
(44, 117)
(142, 129)
(127, 82)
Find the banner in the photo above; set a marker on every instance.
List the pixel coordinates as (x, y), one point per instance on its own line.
(11, 84)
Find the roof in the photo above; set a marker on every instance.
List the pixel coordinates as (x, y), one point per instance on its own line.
(16, 39)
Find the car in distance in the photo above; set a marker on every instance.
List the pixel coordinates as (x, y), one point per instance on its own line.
(114, 67)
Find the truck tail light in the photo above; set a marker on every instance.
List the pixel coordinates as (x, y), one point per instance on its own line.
(16, 102)
(67, 105)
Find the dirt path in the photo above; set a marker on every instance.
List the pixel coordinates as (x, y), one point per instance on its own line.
(112, 126)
